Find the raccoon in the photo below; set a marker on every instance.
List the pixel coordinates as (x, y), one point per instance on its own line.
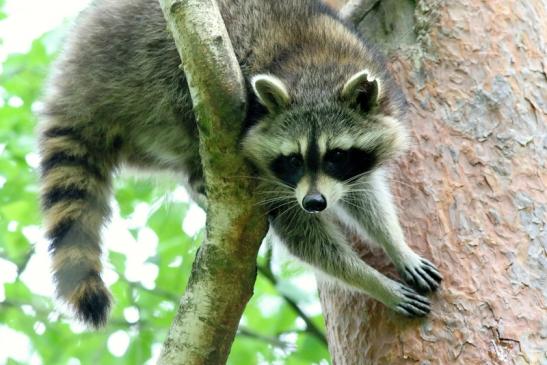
(324, 117)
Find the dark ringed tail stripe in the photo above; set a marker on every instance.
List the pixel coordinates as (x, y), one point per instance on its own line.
(57, 195)
(58, 232)
(61, 132)
(64, 159)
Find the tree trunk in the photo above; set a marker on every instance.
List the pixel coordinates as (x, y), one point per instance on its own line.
(224, 271)
(471, 191)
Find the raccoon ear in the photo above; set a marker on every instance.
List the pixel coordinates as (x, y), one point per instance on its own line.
(362, 90)
(271, 92)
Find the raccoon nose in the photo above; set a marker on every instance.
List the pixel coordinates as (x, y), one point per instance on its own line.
(314, 203)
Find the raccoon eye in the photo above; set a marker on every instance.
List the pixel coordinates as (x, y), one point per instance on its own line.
(294, 161)
(336, 156)
(289, 169)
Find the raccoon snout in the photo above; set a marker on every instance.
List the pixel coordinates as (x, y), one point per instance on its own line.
(314, 202)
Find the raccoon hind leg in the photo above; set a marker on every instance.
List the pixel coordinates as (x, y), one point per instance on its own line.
(75, 192)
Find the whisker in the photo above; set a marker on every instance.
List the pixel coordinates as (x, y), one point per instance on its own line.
(265, 179)
(405, 184)
(362, 185)
(288, 205)
(362, 191)
(287, 210)
(292, 217)
(352, 203)
(357, 177)
(270, 201)
(359, 182)
(276, 201)
(278, 195)
(265, 192)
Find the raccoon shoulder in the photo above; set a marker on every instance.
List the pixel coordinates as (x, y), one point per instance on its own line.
(118, 60)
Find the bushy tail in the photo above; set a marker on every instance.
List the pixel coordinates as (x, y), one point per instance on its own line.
(75, 191)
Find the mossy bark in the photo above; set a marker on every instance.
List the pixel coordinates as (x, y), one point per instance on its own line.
(471, 190)
(224, 271)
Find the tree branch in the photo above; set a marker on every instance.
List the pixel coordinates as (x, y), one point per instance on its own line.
(21, 266)
(274, 341)
(224, 270)
(311, 328)
(156, 291)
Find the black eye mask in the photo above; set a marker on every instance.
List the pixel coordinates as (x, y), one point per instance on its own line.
(289, 169)
(346, 164)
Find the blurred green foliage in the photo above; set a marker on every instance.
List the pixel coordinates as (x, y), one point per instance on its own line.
(272, 331)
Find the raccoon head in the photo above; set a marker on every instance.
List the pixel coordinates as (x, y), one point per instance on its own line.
(318, 153)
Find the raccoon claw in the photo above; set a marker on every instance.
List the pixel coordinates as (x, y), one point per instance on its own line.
(412, 304)
(421, 274)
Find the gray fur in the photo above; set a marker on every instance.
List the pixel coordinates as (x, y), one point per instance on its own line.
(118, 91)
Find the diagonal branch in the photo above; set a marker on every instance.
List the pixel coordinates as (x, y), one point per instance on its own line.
(224, 271)
(311, 328)
(274, 341)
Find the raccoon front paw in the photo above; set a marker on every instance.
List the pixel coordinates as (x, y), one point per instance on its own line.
(420, 274)
(410, 303)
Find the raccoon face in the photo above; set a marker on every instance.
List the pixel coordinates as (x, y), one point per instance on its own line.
(318, 153)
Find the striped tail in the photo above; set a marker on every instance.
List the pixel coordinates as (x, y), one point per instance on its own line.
(75, 191)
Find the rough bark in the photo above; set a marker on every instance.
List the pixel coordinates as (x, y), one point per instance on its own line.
(224, 270)
(472, 190)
